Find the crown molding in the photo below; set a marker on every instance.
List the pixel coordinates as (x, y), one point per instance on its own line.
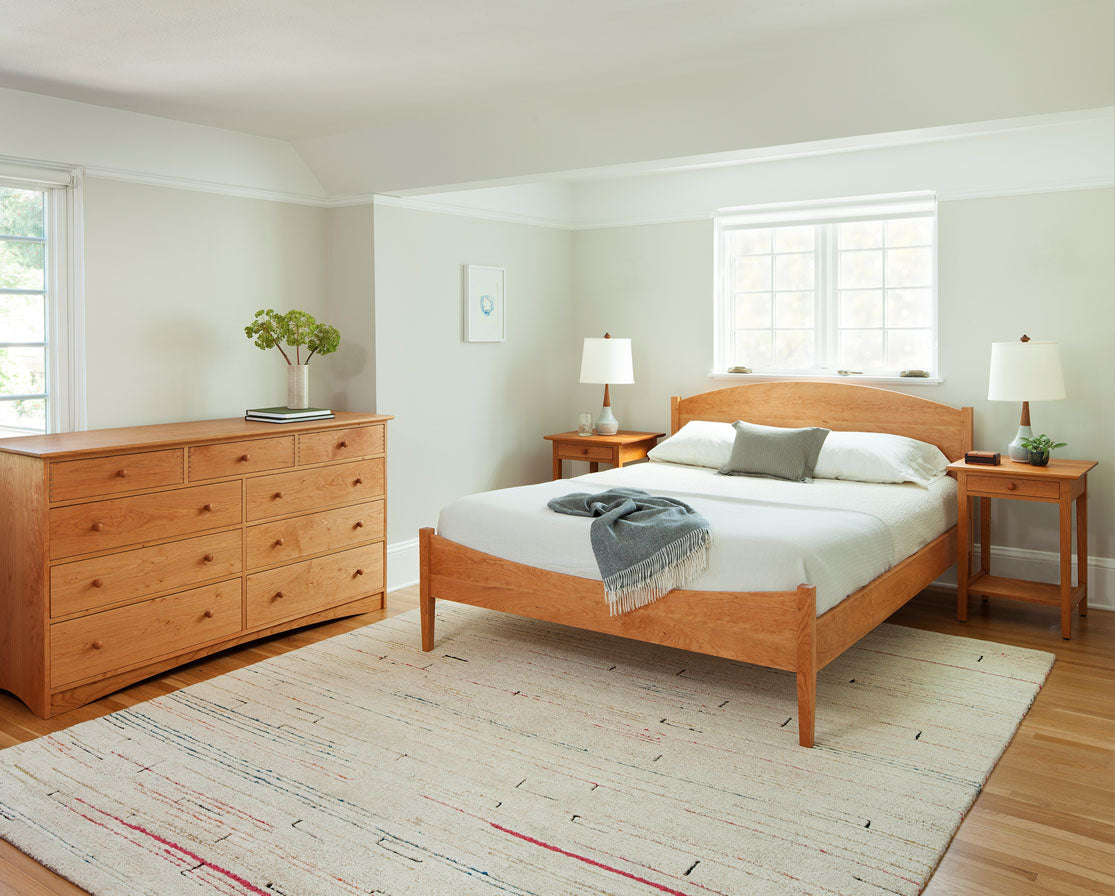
(202, 186)
(445, 208)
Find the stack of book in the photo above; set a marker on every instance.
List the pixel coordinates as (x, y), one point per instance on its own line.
(287, 415)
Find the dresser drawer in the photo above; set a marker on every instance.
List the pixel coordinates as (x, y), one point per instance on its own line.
(303, 588)
(303, 490)
(1009, 487)
(102, 525)
(114, 640)
(234, 458)
(94, 476)
(114, 578)
(286, 540)
(584, 452)
(340, 444)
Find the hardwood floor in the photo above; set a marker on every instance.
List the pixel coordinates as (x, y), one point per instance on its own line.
(1044, 824)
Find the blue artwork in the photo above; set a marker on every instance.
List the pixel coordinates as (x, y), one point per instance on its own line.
(487, 305)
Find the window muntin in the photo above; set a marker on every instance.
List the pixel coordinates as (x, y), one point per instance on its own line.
(817, 288)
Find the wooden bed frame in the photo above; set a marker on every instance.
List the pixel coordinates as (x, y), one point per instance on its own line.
(778, 629)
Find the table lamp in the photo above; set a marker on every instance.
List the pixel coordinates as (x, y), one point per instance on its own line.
(606, 361)
(1025, 371)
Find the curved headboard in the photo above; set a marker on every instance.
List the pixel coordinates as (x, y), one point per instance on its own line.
(837, 406)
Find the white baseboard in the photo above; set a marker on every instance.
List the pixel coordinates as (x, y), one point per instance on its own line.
(1018, 563)
(1045, 566)
(402, 564)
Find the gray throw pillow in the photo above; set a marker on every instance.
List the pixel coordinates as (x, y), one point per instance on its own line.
(774, 452)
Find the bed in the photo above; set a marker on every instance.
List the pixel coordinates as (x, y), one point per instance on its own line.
(781, 629)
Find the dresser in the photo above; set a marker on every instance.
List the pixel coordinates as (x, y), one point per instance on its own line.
(126, 552)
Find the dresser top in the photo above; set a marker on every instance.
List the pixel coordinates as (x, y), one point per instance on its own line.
(129, 438)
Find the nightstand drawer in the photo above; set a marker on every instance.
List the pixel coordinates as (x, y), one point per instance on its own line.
(1012, 487)
(573, 451)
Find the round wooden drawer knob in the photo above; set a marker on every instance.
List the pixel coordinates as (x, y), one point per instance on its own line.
(208, 614)
(359, 482)
(584, 451)
(278, 542)
(1011, 486)
(278, 595)
(277, 495)
(121, 473)
(96, 645)
(360, 572)
(97, 527)
(207, 507)
(358, 525)
(208, 558)
(342, 445)
(245, 457)
(97, 583)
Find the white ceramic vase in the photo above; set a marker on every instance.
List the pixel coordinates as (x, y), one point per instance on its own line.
(298, 386)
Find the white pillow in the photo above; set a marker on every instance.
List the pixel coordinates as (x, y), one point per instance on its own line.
(879, 457)
(700, 443)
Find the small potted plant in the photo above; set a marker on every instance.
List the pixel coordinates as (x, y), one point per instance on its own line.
(297, 329)
(1039, 448)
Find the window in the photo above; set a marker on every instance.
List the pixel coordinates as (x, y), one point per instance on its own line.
(40, 317)
(842, 287)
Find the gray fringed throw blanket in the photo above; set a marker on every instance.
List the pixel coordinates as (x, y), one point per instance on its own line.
(644, 544)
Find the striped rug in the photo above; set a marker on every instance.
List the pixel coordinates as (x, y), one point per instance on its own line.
(523, 759)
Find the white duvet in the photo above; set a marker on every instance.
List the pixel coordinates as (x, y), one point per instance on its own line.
(767, 535)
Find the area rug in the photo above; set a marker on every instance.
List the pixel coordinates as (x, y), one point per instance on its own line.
(527, 759)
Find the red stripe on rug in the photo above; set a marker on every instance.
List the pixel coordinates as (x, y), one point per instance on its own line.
(587, 860)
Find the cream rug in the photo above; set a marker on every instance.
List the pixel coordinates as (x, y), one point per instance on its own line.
(524, 758)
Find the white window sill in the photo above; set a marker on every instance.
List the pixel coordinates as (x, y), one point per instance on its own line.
(818, 378)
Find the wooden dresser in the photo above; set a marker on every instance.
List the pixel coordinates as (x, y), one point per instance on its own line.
(125, 552)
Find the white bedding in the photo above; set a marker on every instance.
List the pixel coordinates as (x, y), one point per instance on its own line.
(767, 535)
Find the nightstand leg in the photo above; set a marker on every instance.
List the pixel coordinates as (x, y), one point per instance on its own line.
(557, 465)
(593, 466)
(1082, 549)
(963, 555)
(1066, 566)
(985, 538)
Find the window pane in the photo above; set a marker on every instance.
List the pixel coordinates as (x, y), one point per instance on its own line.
(794, 348)
(909, 267)
(22, 319)
(794, 271)
(910, 349)
(794, 309)
(750, 242)
(751, 273)
(752, 348)
(909, 307)
(860, 235)
(909, 232)
(21, 212)
(22, 418)
(752, 310)
(861, 349)
(861, 308)
(21, 265)
(22, 371)
(794, 239)
(861, 270)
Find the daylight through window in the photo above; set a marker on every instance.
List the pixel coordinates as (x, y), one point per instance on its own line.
(824, 288)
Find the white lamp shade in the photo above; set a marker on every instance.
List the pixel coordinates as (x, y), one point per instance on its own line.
(607, 361)
(1025, 371)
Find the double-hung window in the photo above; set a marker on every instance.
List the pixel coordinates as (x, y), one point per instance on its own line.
(41, 383)
(842, 287)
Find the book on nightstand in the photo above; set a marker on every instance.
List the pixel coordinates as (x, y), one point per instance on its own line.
(287, 415)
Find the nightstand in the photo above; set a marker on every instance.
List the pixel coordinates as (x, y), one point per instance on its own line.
(617, 450)
(1060, 483)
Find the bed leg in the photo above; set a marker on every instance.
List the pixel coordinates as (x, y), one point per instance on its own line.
(425, 601)
(807, 663)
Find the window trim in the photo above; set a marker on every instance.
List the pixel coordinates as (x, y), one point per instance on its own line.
(65, 293)
(816, 212)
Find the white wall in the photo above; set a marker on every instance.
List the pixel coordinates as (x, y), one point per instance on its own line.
(469, 416)
(172, 278)
(350, 285)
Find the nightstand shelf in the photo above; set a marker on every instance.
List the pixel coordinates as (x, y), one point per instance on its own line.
(1062, 482)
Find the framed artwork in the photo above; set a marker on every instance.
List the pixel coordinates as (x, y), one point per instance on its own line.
(485, 303)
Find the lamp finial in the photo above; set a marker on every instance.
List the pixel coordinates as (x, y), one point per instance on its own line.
(607, 335)
(1024, 338)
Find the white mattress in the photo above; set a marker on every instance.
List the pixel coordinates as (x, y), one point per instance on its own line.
(768, 535)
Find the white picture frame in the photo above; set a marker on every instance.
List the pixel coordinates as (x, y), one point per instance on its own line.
(485, 303)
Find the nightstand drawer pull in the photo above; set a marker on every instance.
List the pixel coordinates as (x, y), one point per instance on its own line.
(1011, 486)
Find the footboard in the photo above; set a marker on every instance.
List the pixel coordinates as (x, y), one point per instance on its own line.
(768, 628)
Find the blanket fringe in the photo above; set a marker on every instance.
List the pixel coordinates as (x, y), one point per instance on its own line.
(675, 565)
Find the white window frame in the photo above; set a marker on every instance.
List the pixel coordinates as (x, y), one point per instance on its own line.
(822, 212)
(65, 287)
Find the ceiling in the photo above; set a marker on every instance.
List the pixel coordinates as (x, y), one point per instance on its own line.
(293, 69)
